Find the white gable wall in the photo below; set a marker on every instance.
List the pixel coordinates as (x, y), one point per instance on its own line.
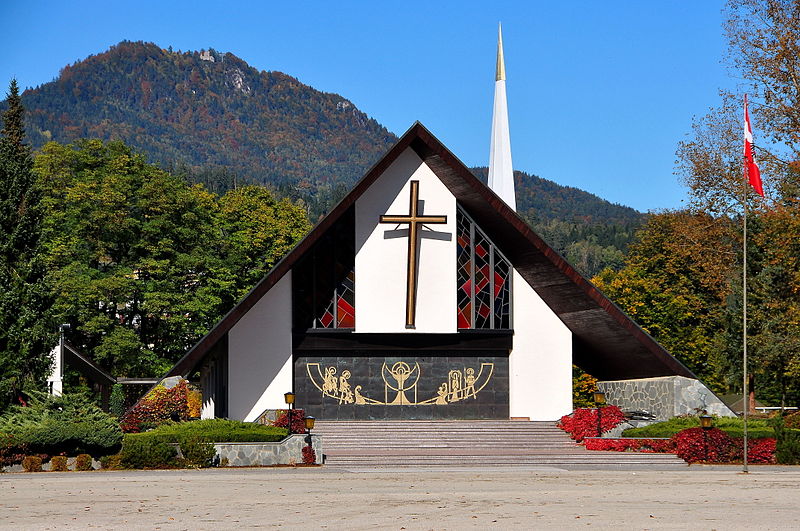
(540, 366)
(382, 250)
(260, 355)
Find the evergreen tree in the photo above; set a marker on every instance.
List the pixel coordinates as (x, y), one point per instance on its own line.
(25, 330)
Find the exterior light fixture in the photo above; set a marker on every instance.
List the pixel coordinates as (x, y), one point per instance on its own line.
(309, 426)
(599, 397)
(289, 397)
(706, 421)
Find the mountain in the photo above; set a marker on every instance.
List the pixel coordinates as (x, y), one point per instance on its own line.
(206, 111)
(216, 120)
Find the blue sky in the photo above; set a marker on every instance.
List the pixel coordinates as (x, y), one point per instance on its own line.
(599, 93)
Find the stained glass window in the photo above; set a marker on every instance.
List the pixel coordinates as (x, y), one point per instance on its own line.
(324, 280)
(483, 279)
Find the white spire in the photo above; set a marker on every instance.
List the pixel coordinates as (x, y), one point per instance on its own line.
(501, 172)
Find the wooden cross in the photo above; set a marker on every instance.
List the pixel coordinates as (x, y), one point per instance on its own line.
(414, 220)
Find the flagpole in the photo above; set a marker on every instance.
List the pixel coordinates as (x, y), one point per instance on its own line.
(745, 404)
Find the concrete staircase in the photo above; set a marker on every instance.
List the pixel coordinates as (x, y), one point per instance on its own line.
(469, 443)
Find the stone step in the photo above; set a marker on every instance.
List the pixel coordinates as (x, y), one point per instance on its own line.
(471, 443)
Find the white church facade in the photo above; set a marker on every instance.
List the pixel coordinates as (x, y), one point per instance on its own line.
(477, 318)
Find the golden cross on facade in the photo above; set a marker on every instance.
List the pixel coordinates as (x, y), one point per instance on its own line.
(414, 220)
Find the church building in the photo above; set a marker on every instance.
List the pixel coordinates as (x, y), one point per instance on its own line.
(423, 295)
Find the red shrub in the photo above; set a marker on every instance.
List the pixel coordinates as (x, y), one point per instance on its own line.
(711, 445)
(298, 420)
(582, 422)
(760, 451)
(309, 456)
(157, 407)
(660, 446)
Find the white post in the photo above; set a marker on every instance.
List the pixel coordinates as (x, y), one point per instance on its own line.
(55, 382)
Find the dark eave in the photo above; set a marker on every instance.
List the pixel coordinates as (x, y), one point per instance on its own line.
(87, 367)
(606, 342)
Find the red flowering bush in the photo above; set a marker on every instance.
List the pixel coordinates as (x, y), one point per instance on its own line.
(708, 445)
(659, 446)
(761, 451)
(158, 406)
(298, 420)
(582, 422)
(309, 457)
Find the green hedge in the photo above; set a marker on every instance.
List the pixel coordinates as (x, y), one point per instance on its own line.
(141, 452)
(213, 430)
(69, 424)
(734, 427)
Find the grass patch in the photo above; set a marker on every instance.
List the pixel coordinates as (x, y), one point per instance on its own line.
(734, 427)
(213, 430)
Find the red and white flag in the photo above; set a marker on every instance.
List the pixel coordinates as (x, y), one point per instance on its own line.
(751, 172)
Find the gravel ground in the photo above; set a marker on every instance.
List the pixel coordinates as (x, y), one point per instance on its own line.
(327, 498)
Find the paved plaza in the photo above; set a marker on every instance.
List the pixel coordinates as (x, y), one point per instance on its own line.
(327, 498)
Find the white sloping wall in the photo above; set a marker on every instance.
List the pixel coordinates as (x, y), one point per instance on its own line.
(382, 249)
(260, 355)
(540, 366)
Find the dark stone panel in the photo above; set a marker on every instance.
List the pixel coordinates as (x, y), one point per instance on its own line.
(402, 384)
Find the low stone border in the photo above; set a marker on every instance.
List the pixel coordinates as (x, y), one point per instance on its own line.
(286, 452)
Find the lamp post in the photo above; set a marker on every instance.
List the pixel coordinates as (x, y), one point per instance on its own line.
(706, 422)
(600, 399)
(309, 426)
(289, 397)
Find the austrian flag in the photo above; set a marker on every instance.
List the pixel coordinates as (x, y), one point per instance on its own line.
(751, 172)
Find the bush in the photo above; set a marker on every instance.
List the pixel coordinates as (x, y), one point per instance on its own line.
(116, 403)
(198, 454)
(733, 426)
(215, 430)
(298, 420)
(111, 462)
(83, 463)
(145, 452)
(194, 404)
(710, 445)
(792, 421)
(32, 463)
(67, 424)
(157, 407)
(309, 456)
(661, 446)
(787, 444)
(759, 451)
(12, 451)
(58, 463)
(582, 422)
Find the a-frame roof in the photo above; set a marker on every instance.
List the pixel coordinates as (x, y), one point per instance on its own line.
(606, 342)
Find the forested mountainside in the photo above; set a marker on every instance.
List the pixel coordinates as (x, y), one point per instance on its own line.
(211, 118)
(208, 113)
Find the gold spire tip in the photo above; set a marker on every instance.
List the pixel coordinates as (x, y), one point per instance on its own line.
(501, 66)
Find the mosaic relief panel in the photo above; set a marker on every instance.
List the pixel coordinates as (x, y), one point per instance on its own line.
(383, 386)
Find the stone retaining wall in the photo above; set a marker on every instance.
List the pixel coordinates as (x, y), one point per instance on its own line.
(664, 397)
(285, 452)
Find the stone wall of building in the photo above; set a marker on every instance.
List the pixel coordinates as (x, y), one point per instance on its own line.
(664, 397)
